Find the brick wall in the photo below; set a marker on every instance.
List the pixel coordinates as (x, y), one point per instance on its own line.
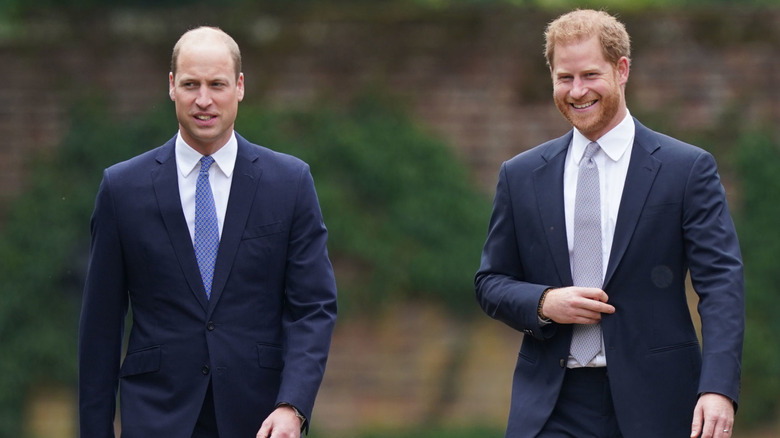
(474, 77)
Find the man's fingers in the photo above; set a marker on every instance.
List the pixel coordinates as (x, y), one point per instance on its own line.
(593, 293)
(713, 417)
(576, 305)
(265, 429)
(696, 425)
(597, 306)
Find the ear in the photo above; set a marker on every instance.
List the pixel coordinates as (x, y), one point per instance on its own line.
(240, 86)
(623, 67)
(171, 87)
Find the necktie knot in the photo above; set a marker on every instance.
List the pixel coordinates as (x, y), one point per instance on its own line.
(590, 151)
(205, 163)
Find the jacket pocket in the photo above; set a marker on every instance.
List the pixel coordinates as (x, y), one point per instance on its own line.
(669, 209)
(142, 361)
(270, 356)
(528, 350)
(674, 347)
(263, 230)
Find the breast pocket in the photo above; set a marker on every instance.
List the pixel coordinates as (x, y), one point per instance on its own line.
(263, 230)
(669, 209)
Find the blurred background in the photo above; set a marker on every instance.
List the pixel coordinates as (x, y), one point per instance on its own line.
(405, 110)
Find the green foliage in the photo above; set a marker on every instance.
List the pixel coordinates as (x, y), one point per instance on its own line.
(451, 432)
(20, 8)
(758, 158)
(43, 246)
(404, 219)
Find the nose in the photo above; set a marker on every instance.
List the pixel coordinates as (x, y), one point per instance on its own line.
(204, 97)
(578, 89)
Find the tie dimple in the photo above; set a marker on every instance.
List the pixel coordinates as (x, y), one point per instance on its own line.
(587, 264)
(206, 241)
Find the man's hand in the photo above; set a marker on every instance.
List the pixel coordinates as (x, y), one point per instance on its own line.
(282, 423)
(576, 305)
(713, 417)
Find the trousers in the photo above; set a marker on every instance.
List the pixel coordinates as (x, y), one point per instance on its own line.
(206, 426)
(584, 408)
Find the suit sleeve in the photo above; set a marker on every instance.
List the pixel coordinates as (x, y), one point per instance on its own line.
(310, 302)
(499, 284)
(101, 326)
(716, 271)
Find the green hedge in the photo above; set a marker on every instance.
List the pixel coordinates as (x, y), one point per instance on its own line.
(44, 246)
(438, 432)
(404, 218)
(404, 222)
(758, 161)
(25, 6)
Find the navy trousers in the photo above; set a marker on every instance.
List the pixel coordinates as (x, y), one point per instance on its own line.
(206, 427)
(584, 408)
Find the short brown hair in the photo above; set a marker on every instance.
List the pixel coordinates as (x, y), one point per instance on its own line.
(229, 42)
(585, 23)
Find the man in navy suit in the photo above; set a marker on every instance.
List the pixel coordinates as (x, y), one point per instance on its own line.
(657, 212)
(234, 345)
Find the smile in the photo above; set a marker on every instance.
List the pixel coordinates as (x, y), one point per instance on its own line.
(584, 105)
(204, 117)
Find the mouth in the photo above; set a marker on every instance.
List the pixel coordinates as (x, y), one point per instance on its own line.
(204, 117)
(584, 105)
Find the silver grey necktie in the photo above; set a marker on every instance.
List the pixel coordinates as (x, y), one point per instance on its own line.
(587, 258)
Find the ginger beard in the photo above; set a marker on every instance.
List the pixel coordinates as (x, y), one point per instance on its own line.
(590, 121)
(587, 88)
(594, 113)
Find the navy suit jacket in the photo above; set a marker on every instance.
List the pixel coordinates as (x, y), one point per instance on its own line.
(263, 337)
(673, 220)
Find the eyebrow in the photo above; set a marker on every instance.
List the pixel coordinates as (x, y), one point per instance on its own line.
(186, 78)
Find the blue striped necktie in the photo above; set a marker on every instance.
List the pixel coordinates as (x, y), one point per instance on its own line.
(206, 226)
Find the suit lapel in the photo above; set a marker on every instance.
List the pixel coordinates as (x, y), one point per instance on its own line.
(166, 188)
(548, 184)
(246, 176)
(642, 170)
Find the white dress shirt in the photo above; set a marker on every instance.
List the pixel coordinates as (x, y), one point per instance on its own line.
(612, 161)
(220, 177)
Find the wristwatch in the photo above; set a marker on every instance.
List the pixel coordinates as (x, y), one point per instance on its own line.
(297, 413)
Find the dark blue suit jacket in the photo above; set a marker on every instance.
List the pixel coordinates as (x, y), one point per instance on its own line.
(673, 219)
(262, 338)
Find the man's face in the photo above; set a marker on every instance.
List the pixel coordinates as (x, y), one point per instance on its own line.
(588, 89)
(206, 94)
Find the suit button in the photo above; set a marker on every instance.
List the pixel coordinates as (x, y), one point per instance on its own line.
(562, 363)
(211, 326)
(205, 370)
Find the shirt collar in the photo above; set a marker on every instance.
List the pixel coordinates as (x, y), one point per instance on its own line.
(187, 158)
(614, 143)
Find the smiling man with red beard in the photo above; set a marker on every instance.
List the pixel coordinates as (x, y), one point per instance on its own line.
(588, 89)
(590, 241)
